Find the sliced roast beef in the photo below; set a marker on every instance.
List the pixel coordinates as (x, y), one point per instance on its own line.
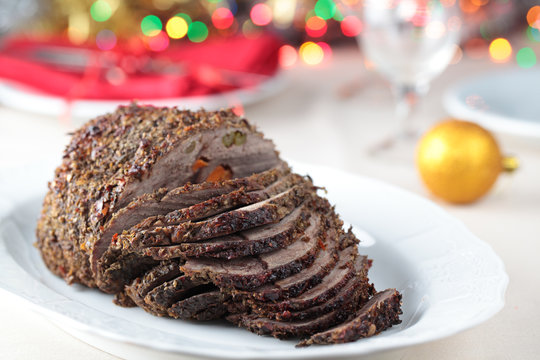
(134, 151)
(203, 307)
(284, 330)
(163, 272)
(220, 204)
(191, 201)
(265, 212)
(252, 272)
(159, 299)
(328, 288)
(256, 241)
(112, 280)
(122, 299)
(379, 313)
(117, 269)
(193, 215)
(178, 167)
(300, 323)
(298, 283)
(357, 288)
(194, 193)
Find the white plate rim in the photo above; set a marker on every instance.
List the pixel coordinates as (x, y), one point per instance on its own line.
(14, 95)
(496, 122)
(49, 307)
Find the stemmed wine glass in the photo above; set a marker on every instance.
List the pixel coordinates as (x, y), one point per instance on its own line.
(409, 42)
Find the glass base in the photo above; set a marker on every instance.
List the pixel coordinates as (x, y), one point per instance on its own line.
(398, 146)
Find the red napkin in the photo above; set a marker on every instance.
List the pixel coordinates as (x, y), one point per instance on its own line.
(58, 68)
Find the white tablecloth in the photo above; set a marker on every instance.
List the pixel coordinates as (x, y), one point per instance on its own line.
(327, 116)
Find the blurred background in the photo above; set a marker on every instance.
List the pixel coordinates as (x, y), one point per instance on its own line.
(364, 86)
(68, 50)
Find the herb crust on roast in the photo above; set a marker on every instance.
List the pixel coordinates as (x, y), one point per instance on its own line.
(193, 215)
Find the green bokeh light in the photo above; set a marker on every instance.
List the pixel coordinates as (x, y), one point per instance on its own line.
(338, 16)
(100, 11)
(325, 9)
(151, 25)
(197, 31)
(310, 14)
(533, 34)
(526, 58)
(185, 17)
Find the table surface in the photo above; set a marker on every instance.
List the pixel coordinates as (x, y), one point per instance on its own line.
(328, 115)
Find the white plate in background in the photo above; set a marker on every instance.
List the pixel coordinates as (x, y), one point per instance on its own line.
(20, 97)
(505, 101)
(450, 279)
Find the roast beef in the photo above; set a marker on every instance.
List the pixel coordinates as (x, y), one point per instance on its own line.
(118, 269)
(328, 288)
(193, 215)
(358, 287)
(136, 150)
(252, 272)
(379, 313)
(256, 241)
(156, 276)
(219, 204)
(191, 194)
(193, 205)
(265, 212)
(111, 268)
(285, 330)
(298, 283)
(203, 307)
(191, 202)
(160, 298)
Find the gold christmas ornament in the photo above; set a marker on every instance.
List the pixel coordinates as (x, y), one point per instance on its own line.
(460, 161)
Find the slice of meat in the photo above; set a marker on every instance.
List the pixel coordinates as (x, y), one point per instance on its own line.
(335, 240)
(378, 314)
(191, 194)
(117, 269)
(156, 276)
(284, 330)
(148, 208)
(253, 272)
(203, 307)
(306, 322)
(300, 282)
(220, 204)
(328, 288)
(122, 299)
(265, 212)
(159, 299)
(358, 288)
(256, 241)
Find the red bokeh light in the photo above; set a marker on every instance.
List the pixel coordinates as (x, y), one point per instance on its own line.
(222, 18)
(287, 56)
(261, 14)
(159, 42)
(351, 26)
(316, 26)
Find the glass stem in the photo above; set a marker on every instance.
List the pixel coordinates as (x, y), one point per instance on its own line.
(407, 97)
